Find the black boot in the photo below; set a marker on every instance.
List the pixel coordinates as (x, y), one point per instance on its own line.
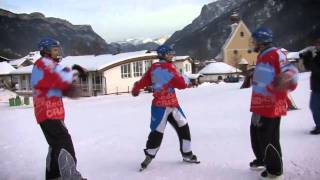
(267, 176)
(257, 165)
(315, 131)
(191, 159)
(146, 162)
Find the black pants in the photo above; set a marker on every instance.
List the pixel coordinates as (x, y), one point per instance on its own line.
(155, 139)
(265, 135)
(61, 159)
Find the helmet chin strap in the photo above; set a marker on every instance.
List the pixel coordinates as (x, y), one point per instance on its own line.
(58, 59)
(48, 55)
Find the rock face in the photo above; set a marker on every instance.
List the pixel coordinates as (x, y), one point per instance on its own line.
(20, 33)
(294, 23)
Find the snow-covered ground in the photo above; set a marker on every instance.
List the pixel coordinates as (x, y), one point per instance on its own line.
(110, 132)
(5, 95)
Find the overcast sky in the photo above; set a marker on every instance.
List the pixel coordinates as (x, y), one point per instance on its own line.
(116, 20)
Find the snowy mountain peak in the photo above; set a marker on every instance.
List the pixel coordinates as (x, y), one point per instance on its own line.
(140, 41)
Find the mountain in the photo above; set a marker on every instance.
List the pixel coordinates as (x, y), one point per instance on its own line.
(20, 34)
(294, 24)
(208, 13)
(130, 45)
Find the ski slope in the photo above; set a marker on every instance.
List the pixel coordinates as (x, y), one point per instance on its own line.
(110, 132)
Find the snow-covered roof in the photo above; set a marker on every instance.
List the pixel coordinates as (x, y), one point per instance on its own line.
(93, 63)
(179, 58)
(5, 68)
(210, 61)
(23, 70)
(293, 55)
(32, 56)
(17, 62)
(243, 61)
(219, 68)
(193, 76)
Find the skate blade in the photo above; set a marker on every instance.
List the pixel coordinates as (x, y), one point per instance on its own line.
(194, 162)
(259, 168)
(272, 178)
(142, 169)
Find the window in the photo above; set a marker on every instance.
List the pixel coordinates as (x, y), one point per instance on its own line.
(187, 67)
(242, 34)
(97, 84)
(235, 52)
(137, 69)
(249, 51)
(98, 79)
(126, 71)
(147, 65)
(84, 84)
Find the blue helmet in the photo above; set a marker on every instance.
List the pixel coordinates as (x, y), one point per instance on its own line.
(47, 43)
(263, 35)
(164, 49)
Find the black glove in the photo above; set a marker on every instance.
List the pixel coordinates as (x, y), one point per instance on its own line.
(83, 73)
(307, 55)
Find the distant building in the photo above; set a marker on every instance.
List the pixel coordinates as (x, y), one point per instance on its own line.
(108, 74)
(236, 49)
(217, 71)
(183, 64)
(25, 61)
(5, 77)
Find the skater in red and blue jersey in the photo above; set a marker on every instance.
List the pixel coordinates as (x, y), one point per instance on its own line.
(273, 78)
(164, 78)
(50, 82)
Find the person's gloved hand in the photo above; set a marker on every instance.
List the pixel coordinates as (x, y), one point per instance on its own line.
(83, 73)
(135, 92)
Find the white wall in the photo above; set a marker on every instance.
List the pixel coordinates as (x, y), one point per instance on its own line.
(116, 84)
(211, 78)
(181, 65)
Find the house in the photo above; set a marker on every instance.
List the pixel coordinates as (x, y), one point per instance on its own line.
(183, 64)
(108, 74)
(5, 77)
(217, 71)
(25, 61)
(237, 48)
(21, 77)
(17, 63)
(194, 78)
